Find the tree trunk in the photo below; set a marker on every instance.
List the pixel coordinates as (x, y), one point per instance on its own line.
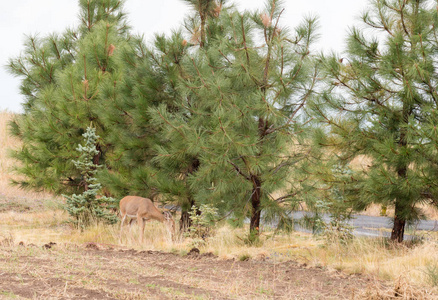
(399, 229)
(96, 158)
(399, 221)
(96, 161)
(202, 42)
(254, 225)
(185, 222)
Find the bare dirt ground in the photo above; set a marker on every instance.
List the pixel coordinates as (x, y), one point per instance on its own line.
(100, 272)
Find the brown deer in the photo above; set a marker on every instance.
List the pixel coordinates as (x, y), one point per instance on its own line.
(143, 209)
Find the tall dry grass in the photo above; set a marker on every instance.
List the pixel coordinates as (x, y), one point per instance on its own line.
(415, 266)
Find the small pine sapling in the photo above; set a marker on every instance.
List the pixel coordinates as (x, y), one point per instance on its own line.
(202, 225)
(89, 207)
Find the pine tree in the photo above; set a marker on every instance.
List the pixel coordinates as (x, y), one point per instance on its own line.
(149, 82)
(141, 163)
(87, 208)
(240, 111)
(205, 10)
(68, 80)
(382, 103)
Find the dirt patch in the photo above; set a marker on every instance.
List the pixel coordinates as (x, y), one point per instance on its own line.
(193, 252)
(49, 245)
(93, 246)
(27, 286)
(95, 272)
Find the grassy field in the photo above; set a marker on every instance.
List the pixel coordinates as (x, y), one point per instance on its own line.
(39, 249)
(43, 256)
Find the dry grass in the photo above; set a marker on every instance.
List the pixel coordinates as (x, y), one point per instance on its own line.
(67, 271)
(407, 269)
(429, 211)
(377, 257)
(362, 255)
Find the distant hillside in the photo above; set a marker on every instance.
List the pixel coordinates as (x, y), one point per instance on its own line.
(8, 192)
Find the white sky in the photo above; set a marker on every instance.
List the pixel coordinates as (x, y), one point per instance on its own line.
(23, 17)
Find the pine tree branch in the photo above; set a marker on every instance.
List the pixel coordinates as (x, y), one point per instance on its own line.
(220, 51)
(402, 18)
(285, 197)
(274, 30)
(87, 22)
(300, 106)
(56, 48)
(97, 58)
(105, 47)
(72, 88)
(374, 25)
(289, 162)
(48, 72)
(234, 28)
(385, 25)
(168, 123)
(240, 171)
(26, 73)
(244, 41)
(197, 71)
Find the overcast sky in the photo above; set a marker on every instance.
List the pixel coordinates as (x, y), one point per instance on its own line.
(23, 17)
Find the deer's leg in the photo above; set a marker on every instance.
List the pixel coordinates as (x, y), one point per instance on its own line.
(121, 228)
(141, 224)
(130, 224)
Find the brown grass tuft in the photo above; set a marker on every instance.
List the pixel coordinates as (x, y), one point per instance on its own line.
(401, 290)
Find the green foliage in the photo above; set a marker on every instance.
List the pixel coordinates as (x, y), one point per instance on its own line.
(340, 200)
(339, 209)
(68, 80)
(219, 112)
(332, 190)
(336, 232)
(203, 222)
(237, 108)
(87, 208)
(205, 115)
(380, 104)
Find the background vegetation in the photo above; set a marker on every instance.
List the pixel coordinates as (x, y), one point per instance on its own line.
(235, 112)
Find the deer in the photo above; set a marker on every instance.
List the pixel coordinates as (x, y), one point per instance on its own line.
(143, 209)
